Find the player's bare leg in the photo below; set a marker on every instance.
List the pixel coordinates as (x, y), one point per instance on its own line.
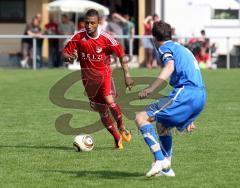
(117, 115)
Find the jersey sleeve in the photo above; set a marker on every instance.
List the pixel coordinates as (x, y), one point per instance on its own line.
(117, 49)
(72, 44)
(165, 55)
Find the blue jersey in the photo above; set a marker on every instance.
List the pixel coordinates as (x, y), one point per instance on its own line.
(186, 69)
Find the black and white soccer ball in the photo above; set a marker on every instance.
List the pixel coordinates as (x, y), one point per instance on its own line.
(83, 142)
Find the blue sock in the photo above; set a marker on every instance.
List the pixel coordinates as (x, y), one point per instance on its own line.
(166, 144)
(151, 140)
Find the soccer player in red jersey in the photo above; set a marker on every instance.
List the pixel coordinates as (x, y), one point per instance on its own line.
(93, 47)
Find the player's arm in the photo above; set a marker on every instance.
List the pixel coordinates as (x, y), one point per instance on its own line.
(70, 57)
(119, 17)
(127, 77)
(117, 49)
(70, 51)
(161, 79)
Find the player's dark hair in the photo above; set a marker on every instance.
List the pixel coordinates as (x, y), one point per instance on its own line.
(162, 31)
(91, 13)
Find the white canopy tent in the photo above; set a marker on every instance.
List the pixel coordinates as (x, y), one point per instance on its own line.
(77, 7)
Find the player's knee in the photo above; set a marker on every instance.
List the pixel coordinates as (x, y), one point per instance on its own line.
(141, 119)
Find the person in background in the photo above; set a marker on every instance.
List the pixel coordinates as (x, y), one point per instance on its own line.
(51, 28)
(103, 22)
(81, 24)
(114, 28)
(154, 61)
(128, 29)
(32, 29)
(66, 27)
(147, 42)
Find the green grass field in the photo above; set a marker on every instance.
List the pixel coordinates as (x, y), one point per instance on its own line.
(34, 154)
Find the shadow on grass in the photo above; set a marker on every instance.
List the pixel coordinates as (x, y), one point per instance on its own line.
(38, 147)
(107, 148)
(103, 174)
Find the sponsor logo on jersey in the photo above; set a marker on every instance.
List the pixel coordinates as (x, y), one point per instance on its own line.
(98, 49)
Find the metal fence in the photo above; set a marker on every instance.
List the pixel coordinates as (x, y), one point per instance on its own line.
(136, 37)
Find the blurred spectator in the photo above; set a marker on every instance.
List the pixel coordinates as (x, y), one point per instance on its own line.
(66, 27)
(174, 35)
(155, 18)
(200, 49)
(114, 28)
(32, 29)
(51, 28)
(128, 29)
(155, 52)
(147, 42)
(81, 24)
(40, 18)
(203, 55)
(103, 22)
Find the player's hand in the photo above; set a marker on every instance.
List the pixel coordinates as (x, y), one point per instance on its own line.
(190, 127)
(129, 83)
(74, 55)
(69, 58)
(145, 93)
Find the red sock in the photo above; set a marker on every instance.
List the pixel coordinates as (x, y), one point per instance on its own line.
(117, 114)
(108, 123)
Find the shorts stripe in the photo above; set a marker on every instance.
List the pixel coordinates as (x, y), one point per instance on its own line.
(169, 102)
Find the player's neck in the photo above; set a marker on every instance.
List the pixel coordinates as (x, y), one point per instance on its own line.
(93, 35)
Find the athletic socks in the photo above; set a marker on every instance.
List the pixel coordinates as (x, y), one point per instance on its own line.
(149, 135)
(117, 114)
(108, 123)
(166, 144)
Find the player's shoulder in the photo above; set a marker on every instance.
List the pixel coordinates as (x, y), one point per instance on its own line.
(167, 47)
(109, 38)
(80, 34)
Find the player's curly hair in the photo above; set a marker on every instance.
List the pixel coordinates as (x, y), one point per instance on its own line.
(92, 12)
(162, 31)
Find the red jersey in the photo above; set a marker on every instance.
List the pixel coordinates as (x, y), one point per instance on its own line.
(94, 53)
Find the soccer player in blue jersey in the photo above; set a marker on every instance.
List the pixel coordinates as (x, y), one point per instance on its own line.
(186, 100)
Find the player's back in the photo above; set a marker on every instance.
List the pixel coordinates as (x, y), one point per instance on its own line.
(186, 71)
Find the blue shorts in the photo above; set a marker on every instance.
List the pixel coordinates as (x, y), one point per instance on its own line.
(183, 106)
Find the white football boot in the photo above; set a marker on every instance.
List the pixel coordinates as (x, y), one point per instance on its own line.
(168, 172)
(158, 166)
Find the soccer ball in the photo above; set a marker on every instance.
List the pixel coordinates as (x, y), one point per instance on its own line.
(83, 142)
